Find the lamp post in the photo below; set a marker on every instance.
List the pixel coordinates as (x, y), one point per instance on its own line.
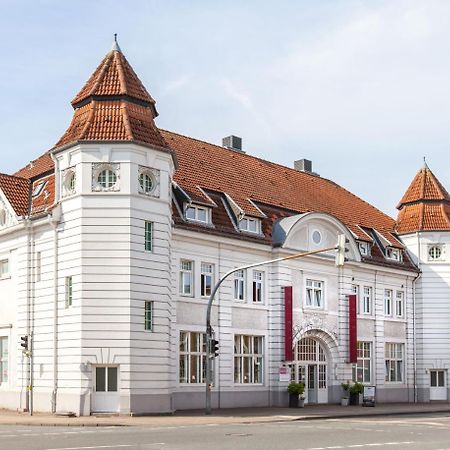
(210, 352)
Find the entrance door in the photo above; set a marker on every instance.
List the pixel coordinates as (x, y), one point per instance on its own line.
(438, 385)
(106, 389)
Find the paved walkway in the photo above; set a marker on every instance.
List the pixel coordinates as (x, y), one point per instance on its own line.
(225, 416)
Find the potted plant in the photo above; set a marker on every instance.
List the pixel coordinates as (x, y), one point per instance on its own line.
(355, 390)
(346, 394)
(296, 391)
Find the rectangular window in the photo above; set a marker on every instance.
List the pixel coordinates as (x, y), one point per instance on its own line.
(258, 286)
(148, 236)
(393, 253)
(38, 266)
(248, 359)
(388, 302)
(148, 316)
(106, 379)
(186, 278)
(3, 360)
(192, 357)
(394, 362)
(4, 268)
(250, 225)
(355, 290)
(197, 213)
(239, 285)
(206, 279)
(69, 292)
(363, 248)
(314, 293)
(362, 370)
(399, 304)
(366, 301)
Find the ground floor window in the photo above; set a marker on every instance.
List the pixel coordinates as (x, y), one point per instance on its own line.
(248, 359)
(3, 360)
(192, 357)
(394, 362)
(106, 379)
(362, 369)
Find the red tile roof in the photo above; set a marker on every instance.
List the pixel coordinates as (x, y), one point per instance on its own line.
(36, 167)
(248, 179)
(114, 77)
(17, 191)
(425, 206)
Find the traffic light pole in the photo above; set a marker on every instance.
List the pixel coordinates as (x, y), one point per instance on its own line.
(209, 330)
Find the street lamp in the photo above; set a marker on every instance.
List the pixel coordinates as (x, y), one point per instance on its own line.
(212, 344)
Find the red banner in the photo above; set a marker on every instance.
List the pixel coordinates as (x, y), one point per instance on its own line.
(352, 329)
(288, 354)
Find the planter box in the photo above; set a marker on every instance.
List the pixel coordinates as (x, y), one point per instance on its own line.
(293, 401)
(354, 399)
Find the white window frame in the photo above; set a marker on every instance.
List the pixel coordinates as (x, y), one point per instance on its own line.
(189, 356)
(366, 301)
(258, 287)
(247, 356)
(388, 302)
(250, 225)
(400, 304)
(206, 272)
(364, 248)
(186, 273)
(196, 210)
(68, 291)
(364, 362)
(314, 287)
(394, 362)
(4, 268)
(239, 286)
(394, 254)
(149, 307)
(4, 360)
(148, 236)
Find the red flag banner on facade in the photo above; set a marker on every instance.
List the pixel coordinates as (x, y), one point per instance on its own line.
(352, 329)
(288, 323)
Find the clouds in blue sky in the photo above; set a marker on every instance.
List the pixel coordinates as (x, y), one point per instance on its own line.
(359, 87)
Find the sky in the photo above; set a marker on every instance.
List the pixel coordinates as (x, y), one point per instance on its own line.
(361, 88)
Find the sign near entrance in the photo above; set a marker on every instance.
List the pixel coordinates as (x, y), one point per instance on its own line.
(369, 396)
(284, 374)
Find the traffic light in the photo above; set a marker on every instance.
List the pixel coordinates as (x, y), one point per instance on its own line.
(24, 343)
(214, 348)
(341, 250)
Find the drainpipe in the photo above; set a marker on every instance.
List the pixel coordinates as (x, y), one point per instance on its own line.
(414, 317)
(28, 317)
(54, 219)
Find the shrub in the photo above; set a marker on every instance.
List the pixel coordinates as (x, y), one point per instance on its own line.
(296, 388)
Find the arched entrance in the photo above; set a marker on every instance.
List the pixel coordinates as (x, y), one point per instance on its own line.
(310, 366)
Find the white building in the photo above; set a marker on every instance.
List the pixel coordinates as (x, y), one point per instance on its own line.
(110, 244)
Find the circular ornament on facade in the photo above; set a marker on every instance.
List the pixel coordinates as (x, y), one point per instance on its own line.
(70, 181)
(146, 182)
(435, 252)
(316, 237)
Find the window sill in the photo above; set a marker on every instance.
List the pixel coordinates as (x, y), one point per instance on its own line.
(5, 277)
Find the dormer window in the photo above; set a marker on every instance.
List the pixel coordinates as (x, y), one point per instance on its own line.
(364, 248)
(250, 224)
(197, 213)
(393, 253)
(39, 188)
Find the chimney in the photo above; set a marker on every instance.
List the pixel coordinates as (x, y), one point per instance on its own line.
(303, 165)
(233, 143)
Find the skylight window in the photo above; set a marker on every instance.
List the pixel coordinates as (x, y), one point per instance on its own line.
(39, 188)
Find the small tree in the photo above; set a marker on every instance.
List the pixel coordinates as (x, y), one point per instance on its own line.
(296, 388)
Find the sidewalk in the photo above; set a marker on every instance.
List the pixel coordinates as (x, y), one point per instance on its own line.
(225, 416)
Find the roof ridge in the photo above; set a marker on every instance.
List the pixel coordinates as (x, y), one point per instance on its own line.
(291, 169)
(14, 176)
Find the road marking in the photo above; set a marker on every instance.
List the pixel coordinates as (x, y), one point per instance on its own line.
(375, 444)
(97, 446)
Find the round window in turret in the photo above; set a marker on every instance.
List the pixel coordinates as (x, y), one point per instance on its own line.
(107, 178)
(146, 182)
(435, 252)
(69, 182)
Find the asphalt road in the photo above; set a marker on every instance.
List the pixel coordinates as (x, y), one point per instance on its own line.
(395, 432)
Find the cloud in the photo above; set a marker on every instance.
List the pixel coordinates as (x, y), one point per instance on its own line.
(176, 84)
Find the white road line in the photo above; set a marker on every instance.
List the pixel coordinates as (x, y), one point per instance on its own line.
(97, 446)
(8, 435)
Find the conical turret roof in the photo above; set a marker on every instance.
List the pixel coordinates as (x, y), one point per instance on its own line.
(425, 206)
(113, 105)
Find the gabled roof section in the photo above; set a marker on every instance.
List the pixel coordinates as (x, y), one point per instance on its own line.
(17, 191)
(425, 205)
(252, 181)
(37, 167)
